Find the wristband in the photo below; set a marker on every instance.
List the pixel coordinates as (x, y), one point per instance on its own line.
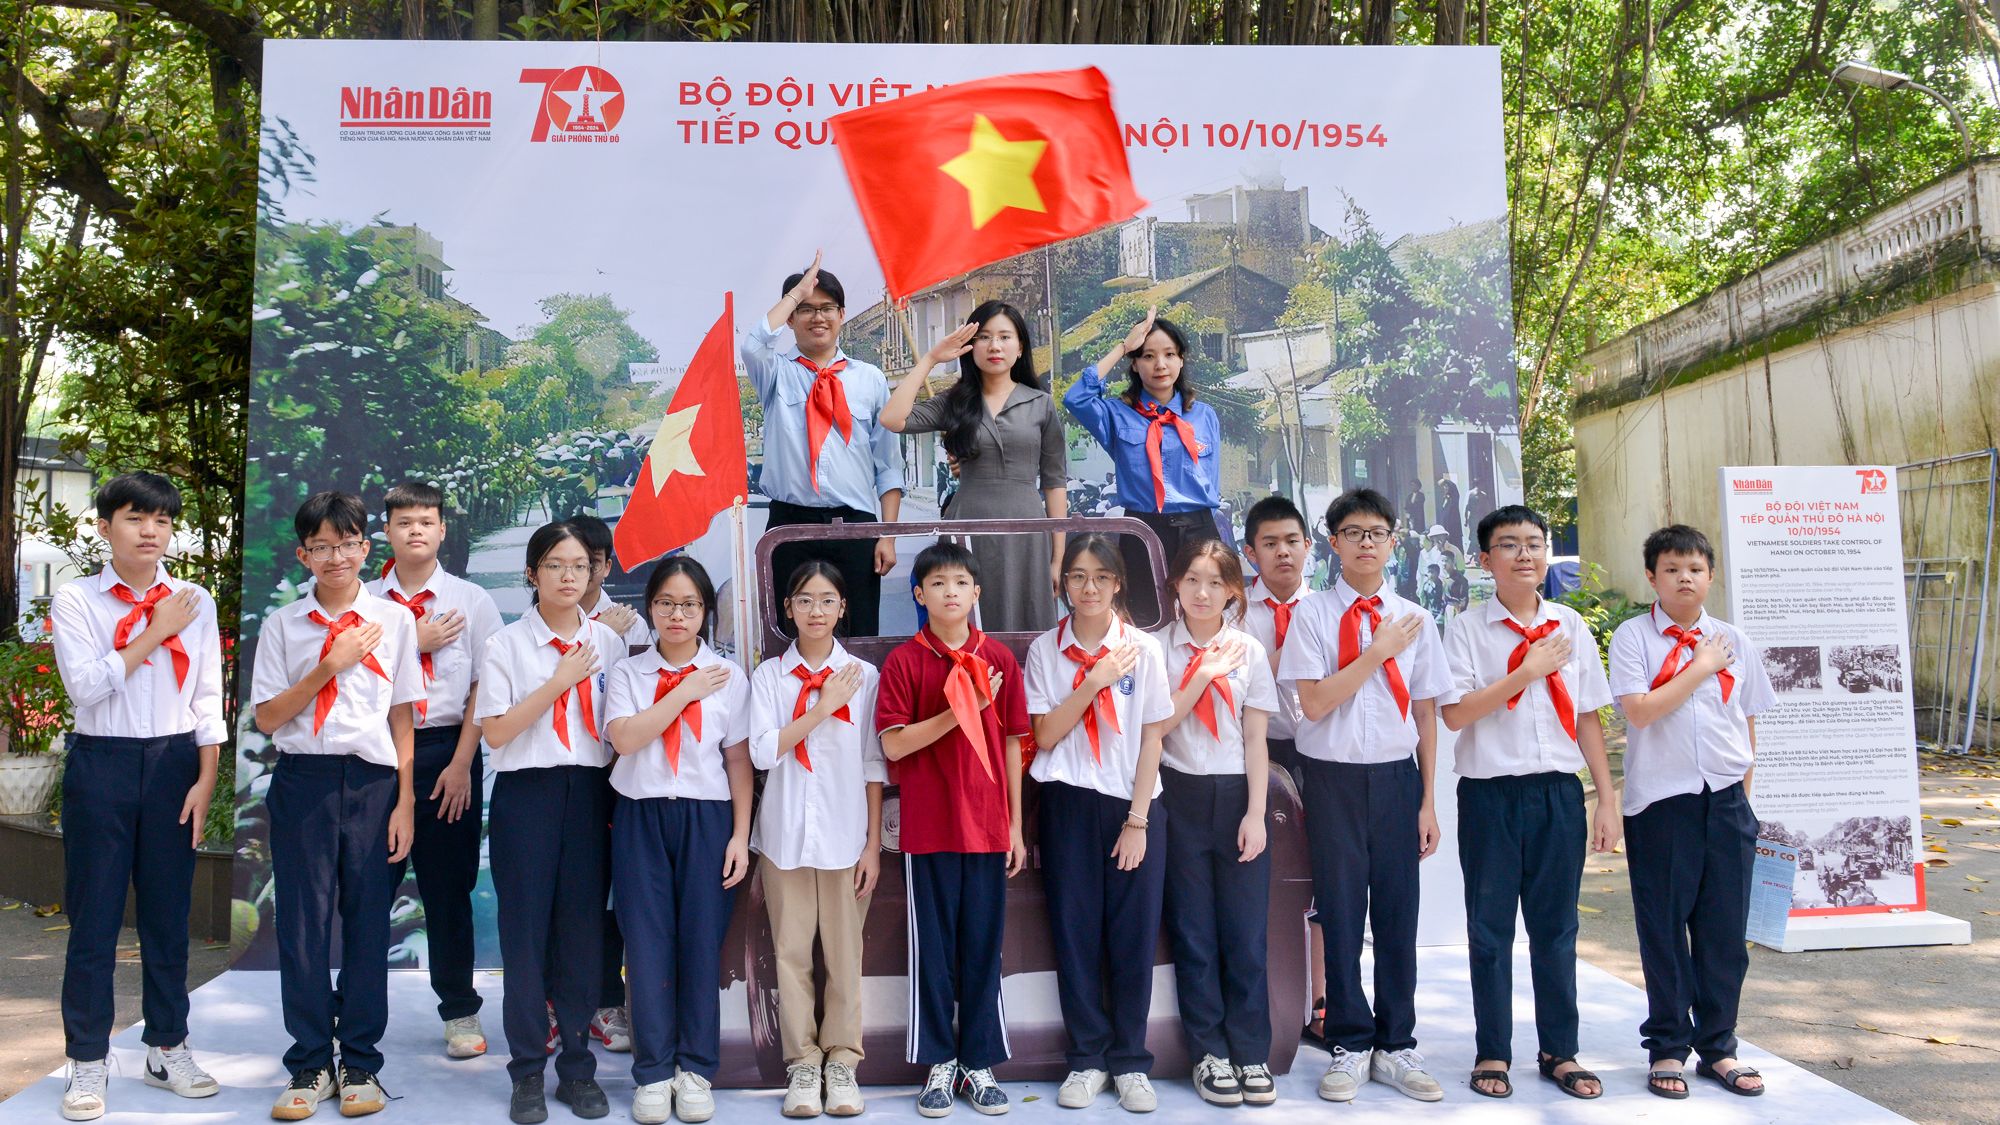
(1134, 820)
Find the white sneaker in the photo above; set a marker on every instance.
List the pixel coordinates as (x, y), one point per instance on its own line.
(1258, 1086)
(692, 1100)
(1344, 1075)
(653, 1103)
(802, 1095)
(935, 1099)
(1404, 1070)
(1081, 1088)
(308, 1088)
(843, 1092)
(360, 1092)
(1215, 1080)
(464, 1038)
(83, 1099)
(174, 1068)
(1135, 1093)
(613, 1028)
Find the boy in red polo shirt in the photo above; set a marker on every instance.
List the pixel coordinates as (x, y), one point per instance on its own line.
(952, 711)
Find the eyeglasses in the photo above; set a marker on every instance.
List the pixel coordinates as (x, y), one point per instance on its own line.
(564, 570)
(1374, 536)
(346, 548)
(1512, 549)
(811, 311)
(806, 603)
(1086, 581)
(669, 608)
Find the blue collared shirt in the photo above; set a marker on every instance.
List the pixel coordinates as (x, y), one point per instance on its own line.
(853, 473)
(1193, 483)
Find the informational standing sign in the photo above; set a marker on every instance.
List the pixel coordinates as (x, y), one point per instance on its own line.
(1815, 570)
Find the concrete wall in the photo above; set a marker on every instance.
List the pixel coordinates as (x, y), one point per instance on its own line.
(1917, 383)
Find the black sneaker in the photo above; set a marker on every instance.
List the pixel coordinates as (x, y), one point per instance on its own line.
(583, 1096)
(1258, 1086)
(528, 1106)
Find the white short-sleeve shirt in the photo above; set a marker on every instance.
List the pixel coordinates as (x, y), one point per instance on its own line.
(454, 667)
(289, 648)
(1705, 742)
(1189, 746)
(819, 817)
(725, 721)
(1529, 737)
(1261, 622)
(1369, 727)
(151, 702)
(519, 659)
(1140, 698)
(638, 636)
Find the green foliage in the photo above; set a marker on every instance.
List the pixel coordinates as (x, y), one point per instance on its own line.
(1602, 610)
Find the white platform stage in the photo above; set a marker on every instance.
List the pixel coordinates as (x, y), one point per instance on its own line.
(239, 1037)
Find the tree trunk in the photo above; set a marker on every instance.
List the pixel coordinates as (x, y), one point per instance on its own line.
(486, 19)
(1449, 30)
(1378, 23)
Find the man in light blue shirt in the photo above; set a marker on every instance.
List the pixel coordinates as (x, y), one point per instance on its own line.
(826, 455)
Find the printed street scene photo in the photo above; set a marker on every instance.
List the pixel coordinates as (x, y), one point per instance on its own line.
(1793, 668)
(1858, 861)
(1862, 669)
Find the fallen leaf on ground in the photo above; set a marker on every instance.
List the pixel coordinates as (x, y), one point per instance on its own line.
(1845, 1063)
(1974, 879)
(53, 929)
(1951, 822)
(46, 911)
(1588, 909)
(1937, 863)
(1995, 912)
(1947, 1040)
(1936, 848)
(1867, 1027)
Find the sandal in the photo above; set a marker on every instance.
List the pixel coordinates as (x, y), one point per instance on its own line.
(1500, 1076)
(1667, 1074)
(1730, 1081)
(1568, 1082)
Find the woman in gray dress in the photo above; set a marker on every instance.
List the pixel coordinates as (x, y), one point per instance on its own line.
(1004, 431)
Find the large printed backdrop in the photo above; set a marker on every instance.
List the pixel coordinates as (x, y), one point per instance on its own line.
(486, 265)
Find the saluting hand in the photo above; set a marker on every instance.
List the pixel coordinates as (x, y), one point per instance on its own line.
(1136, 339)
(952, 346)
(807, 283)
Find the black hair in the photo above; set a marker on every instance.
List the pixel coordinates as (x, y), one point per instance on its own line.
(545, 539)
(413, 494)
(1678, 539)
(145, 493)
(943, 555)
(1358, 502)
(1105, 550)
(341, 509)
(1227, 561)
(964, 404)
(816, 568)
(1183, 384)
(1272, 509)
(595, 533)
(828, 284)
(704, 588)
(1505, 515)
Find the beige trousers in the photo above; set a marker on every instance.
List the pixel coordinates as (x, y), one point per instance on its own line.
(806, 903)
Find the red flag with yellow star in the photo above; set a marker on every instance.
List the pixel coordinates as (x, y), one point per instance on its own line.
(695, 466)
(954, 178)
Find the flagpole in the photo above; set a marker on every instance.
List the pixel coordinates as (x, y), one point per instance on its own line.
(746, 648)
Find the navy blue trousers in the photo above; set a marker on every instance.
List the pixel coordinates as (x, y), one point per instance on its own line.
(122, 802)
(1361, 832)
(611, 976)
(1104, 924)
(330, 861)
(666, 865)
(957, 918)
(1217, 910)
(1521, 843)
(545, 845)
(446, 856)
(1690, 858)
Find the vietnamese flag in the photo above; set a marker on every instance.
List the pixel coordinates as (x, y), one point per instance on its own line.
(696, 465)
(954, 178)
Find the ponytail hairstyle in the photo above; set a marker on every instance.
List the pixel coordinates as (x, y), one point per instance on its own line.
(1226, 561)
(963, 400)
(1103, 550)
(704, 589)
(1183, 386)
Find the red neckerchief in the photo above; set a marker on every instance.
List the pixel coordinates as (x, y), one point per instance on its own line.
(559, 714)
(1204, 708)
(418, 606)
(1085, 661)
(330, 690)
(1558, 691)
(966, 687)
(1684, 641)
(670, 738)
(1370, 607)
(809, 682)
(142, 615)
(1161, 418)
(826, 410)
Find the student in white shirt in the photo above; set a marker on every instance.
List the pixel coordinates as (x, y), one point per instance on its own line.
(139, 655)
(1213, 788)
(819, 831)
(1528, 683)
(1691, 687)
(1278, 543)
(680, 838)
(612, 1025)
(1100, 704)
(454, 620)
(1368, 668)
(334, 680)
(542, 710)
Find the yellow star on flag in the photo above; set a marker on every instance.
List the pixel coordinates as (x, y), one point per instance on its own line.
(997, 172)
(673, 448)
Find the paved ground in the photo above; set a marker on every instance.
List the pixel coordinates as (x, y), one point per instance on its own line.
(1916, 1030)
